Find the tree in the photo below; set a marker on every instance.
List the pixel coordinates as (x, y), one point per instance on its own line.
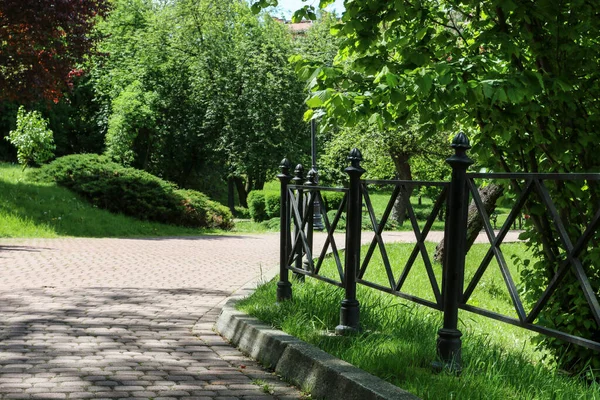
(264, 108)
(198, 91)
(160, 83)
(41, 43)
(401, 140)
(523, 76)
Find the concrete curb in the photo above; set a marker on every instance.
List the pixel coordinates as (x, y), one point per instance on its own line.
(313, 370)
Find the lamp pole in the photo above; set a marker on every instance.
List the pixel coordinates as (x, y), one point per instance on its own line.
(317, 218)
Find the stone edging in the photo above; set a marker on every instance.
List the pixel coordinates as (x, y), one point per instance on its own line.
(313, 370)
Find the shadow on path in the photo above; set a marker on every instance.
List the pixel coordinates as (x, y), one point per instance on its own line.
(96, 342)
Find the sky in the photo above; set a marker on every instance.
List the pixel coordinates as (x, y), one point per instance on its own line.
(289, 6)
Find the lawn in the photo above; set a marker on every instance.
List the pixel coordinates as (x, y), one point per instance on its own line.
(397, 342)
(31, 209)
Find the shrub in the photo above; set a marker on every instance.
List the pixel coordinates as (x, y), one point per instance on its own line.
(199, 210)
(32, 138)
(256, 205)
(332, 200)
(341, 225)
(111, 186)
(242, 212)
(264, 204)
(272, 204)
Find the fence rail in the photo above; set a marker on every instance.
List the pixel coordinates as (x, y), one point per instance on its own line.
(454, 292)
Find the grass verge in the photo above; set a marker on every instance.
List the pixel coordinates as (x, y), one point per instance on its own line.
(397, 342)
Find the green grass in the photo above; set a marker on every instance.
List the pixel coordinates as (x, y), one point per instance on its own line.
(31, 209)
(397, 342)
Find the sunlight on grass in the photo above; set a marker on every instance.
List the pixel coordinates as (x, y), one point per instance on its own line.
(397, 342)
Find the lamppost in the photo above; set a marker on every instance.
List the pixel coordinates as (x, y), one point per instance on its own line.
(317, 218)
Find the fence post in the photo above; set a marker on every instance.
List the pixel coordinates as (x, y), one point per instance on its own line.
(310, 228)
(449, 342)
(284, 287)
(299, 180)
(349, 312)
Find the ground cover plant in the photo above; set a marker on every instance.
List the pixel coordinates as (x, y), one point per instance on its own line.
(36, 209)
(397, 342)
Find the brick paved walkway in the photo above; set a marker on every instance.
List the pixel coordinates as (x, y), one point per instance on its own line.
(127, 318)
(131, 318)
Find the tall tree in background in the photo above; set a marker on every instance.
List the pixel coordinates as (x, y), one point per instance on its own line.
(263, 113)
(197, 91)
(41, 42)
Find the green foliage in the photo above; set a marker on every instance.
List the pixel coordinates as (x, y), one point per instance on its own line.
(32, 138)
(256, 205)
(199, 210)
(332, 200)
(272, 224)
(341, 225)
(38, 209)
(264, 205)
(132, 111)
(242, 212)
(192, 88)
(272, 204)
(133, 192)
(520, 77)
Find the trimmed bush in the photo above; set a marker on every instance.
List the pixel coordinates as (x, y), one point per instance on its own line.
(199, 210)
(133, 192)
(332, 200)
(242, 212)
(272, 204)
(256, 205)
(341, 225)
(264, 205)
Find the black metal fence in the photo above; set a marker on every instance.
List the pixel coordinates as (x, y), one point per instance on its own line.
(297, 252)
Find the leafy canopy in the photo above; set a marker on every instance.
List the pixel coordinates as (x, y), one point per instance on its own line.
(522, 77)
(41, 42)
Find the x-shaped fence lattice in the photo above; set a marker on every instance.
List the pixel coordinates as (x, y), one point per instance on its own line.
(397, 282)
(534, 184)
(302, 199)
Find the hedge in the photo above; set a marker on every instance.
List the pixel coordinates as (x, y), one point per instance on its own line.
(264, 205)
(133, 192)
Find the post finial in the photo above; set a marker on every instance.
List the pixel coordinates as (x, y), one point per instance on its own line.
(312, 177)
(355, 157)
(461, 141)
(460, 144)
(285, 164)
(298, 174)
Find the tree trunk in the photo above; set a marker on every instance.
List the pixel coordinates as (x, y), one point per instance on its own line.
(231, 194)
(241, 189)
(489, 196)
(399, 212)
(259, 180)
